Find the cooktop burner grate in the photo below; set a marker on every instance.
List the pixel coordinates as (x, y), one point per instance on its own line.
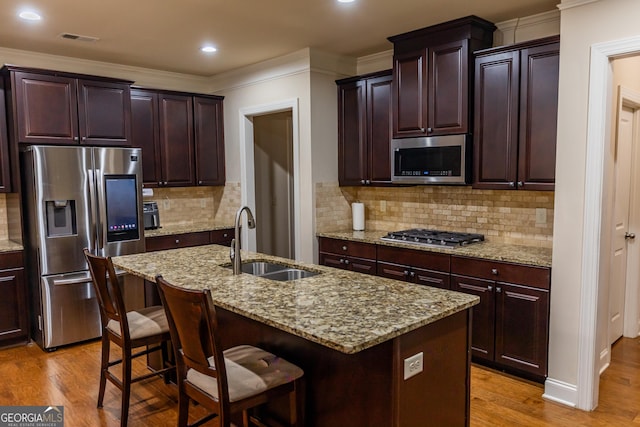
(422, 236)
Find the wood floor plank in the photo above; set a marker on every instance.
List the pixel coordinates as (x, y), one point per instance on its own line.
(69, 377)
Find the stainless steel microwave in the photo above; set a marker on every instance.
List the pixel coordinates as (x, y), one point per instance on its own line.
(431, 160)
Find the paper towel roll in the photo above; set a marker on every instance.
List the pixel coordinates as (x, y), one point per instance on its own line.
(358, 216)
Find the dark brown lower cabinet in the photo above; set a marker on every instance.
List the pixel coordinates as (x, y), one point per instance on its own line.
(354, 256)
(511, 323)
(184, 240)
(14, 323)
(421, 267)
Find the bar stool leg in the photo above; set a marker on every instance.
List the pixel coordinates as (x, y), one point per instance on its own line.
(126, 385)
(104, 365)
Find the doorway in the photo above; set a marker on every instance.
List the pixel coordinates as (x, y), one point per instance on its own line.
(274, 184)
(624, 281)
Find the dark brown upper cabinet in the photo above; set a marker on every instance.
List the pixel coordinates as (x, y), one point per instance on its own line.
(5, 163)
(364, 129)
(181, 136)
(432, 77)
(516, 108)
(51, 107)
(209, 140)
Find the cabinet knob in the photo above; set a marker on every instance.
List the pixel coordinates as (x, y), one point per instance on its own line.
(344, 248)
(628, 235)
(494, 271)
(520, 183)
(489, 288)
(346, 261)
(362, 181)
(498, 289)
(165, 183)
(429, 130)
(512, 184)
(341, 261)
(368, 181)
(84, 138)
(412, 274)
(423, 130)
(406, 272)
(199, 182)
(177, 241)
(75, 138)
(225, 235)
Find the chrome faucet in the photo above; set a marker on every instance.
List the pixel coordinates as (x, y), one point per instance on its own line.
(234, 254)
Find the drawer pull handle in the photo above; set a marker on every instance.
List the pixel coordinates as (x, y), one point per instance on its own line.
(494, 271)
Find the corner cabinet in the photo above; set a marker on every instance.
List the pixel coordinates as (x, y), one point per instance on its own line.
(14, 314)
(516, 108)
(181, 136)
(433, 79)
(364, 129)
(511, 323)
(49, 107)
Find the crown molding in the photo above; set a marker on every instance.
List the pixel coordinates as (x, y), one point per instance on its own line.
(375, 62)
(141, 76)
(540, 18)
(569, 4)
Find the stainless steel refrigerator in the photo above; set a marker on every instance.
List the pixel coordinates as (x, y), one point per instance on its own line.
(75, 198)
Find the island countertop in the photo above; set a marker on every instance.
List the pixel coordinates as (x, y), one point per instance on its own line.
(345, 311)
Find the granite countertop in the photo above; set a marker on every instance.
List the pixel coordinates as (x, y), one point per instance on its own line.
(339, 309)
(185, 228)
(529, 255)
(10, 246)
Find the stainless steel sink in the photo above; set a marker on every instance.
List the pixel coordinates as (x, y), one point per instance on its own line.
(273, 271)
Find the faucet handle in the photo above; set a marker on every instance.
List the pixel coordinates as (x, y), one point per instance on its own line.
(232, 250)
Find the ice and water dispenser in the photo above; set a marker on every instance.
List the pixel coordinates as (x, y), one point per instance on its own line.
(61, 218)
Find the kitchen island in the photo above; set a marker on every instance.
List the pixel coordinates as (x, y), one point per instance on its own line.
(351, 333)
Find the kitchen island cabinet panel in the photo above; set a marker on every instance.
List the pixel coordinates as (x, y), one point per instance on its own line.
(14, 323)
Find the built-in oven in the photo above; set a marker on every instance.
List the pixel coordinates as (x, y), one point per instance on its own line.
(431, 160)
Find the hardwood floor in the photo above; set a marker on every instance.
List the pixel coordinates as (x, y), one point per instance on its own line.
(69, 377)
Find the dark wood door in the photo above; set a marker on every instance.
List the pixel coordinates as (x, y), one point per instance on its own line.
(5, 172)
(495, 137)
(145, 134)
(538, 117)
(46, 108)
(483, 314)
(13, 307)
(104, 113)
(176, 140)
(209, 140)
(522, 321)
(352, 150)
(409, 94)
(379, 129)
(448, 88)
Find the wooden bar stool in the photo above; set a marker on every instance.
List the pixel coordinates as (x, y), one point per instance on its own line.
(233, 381)
(129, 330)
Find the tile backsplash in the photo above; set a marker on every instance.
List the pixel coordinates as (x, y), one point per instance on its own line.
(197, 205)
(509, 216)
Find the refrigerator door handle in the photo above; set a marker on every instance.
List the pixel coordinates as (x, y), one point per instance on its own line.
(93, 238)
(100, 231)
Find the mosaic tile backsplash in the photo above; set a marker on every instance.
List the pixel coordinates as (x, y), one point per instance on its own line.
(515, 217)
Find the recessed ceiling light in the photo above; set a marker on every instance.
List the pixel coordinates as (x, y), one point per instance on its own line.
(346, 1)
(30, 15)
(208, 49)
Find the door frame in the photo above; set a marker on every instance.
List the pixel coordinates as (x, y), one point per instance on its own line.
(631, 99)
(594, 233)
(247, 177)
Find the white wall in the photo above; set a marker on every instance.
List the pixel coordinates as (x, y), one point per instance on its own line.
(583, 23)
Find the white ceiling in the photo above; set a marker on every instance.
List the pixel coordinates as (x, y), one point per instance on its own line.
(167, 34)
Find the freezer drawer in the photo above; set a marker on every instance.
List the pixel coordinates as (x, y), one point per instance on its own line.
(70, 309)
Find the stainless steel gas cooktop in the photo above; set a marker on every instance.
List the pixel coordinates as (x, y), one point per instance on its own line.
(426, 237)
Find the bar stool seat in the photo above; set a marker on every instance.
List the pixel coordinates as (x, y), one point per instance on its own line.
(143, 322)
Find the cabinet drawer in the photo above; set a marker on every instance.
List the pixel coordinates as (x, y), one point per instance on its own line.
(177, 241)
(345, 247)
(11, 260)
(538, 277)
(421, 259)
(222, 237)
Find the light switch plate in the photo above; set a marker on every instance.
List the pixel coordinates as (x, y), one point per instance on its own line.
(541, 216)
(413, 365)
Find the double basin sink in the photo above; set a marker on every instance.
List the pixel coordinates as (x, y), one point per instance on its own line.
(273, 271)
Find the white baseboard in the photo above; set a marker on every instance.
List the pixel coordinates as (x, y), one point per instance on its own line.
(561, 392)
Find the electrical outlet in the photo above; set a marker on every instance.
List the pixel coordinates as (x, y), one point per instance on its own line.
(541, 216)
(166, 204)
(383, 206)
(413, 365)
(203, 203)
